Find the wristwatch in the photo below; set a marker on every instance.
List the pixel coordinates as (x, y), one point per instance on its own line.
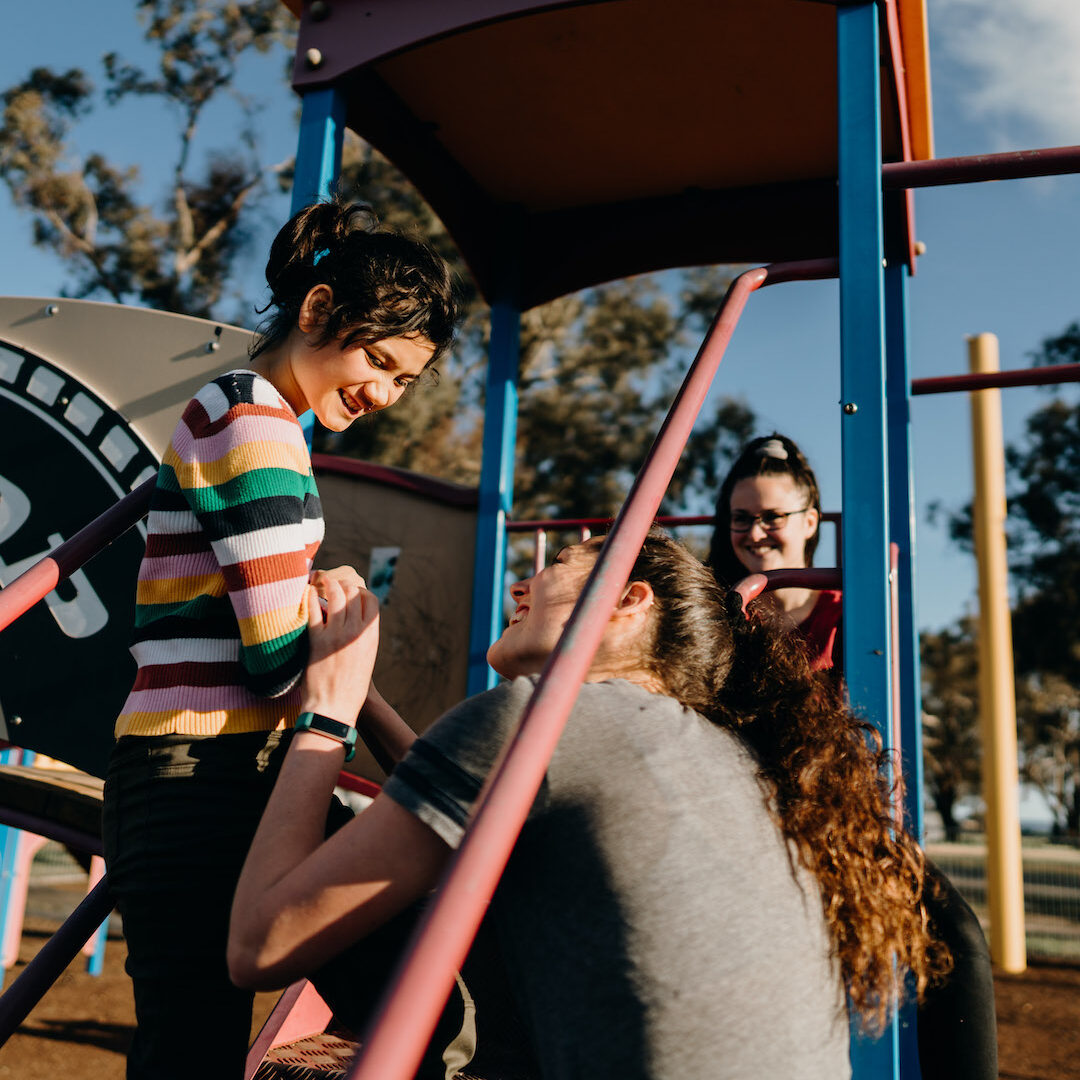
(332, 729)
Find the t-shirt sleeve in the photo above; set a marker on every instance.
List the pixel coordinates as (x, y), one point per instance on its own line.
(440, 777)
(238, 463)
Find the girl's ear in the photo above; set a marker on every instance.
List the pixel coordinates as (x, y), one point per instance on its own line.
(637, 597)
(315, 308)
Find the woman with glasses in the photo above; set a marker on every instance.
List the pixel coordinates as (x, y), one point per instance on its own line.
(767, 517)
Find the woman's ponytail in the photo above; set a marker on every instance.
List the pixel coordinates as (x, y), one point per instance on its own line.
(822, 770)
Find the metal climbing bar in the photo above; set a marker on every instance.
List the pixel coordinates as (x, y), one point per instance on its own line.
(37, 582)
(53, 957)
(1013, 165)
(990, 380)
(394, 1043)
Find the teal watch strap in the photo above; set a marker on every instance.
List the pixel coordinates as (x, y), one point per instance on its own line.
(332, 729)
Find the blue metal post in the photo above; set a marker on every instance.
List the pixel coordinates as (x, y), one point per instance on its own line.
(318, 153)
(496, 472)
(318, 164)
(902, 526)
(863, 447)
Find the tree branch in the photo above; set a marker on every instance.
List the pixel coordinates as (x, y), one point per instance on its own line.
(187, 259)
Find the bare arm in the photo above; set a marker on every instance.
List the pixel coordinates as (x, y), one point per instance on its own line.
(302, 899)
(384, 732)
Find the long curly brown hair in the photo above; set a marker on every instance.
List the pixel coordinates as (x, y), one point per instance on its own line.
(825, 777)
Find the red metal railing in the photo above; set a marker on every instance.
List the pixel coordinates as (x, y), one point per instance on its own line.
(395, 1040)
(584, 527)
(987, 380)
(1013, 165)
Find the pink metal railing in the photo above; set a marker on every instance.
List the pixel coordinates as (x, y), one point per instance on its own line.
(37, 582)
(395, 1040)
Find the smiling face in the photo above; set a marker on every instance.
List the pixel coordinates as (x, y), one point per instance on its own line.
(777, 548)
(340, 382)
(544, 603)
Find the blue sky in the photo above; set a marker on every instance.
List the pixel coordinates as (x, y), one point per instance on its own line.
(1000, 257)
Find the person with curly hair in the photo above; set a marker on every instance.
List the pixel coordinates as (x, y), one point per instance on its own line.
(768, 512)
(221, 613)
(710, 870)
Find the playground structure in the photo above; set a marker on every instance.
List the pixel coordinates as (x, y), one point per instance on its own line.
(815, 168)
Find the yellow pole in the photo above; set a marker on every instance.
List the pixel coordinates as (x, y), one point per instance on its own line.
(997, 699)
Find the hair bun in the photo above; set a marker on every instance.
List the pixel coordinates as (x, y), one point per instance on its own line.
(773, 448)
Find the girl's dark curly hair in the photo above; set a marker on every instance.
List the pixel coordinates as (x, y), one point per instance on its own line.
(823, 772)
(769, 455)
(384, 284)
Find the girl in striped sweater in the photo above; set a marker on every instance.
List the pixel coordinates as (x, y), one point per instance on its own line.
(221, 616)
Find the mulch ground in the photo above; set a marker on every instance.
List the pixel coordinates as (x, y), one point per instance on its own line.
(81, 1028)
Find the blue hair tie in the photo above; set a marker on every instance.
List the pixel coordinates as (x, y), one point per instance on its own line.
(319, 255)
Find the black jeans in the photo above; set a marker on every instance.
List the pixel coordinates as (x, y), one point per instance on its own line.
(180, 814)
(956, 1022)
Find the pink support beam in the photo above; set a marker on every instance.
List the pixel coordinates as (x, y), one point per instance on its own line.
(394, 1044)
(37, 582)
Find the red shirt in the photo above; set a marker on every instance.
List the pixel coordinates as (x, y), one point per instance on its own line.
(822, 633)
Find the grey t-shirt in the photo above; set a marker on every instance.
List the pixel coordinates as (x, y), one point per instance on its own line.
(651, 919)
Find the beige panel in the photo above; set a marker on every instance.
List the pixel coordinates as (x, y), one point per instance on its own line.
(145, 364)
(423, 656)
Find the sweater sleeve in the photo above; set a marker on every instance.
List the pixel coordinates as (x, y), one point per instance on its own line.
(240, 464)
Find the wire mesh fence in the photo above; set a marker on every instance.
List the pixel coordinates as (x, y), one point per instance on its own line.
(1051, 892)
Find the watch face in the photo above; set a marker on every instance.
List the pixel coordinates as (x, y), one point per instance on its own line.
(65, 458)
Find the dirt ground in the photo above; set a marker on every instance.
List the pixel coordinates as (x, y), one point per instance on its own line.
(81, 1028)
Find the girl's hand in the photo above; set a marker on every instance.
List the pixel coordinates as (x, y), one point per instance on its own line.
(346, 575)
(344, 638)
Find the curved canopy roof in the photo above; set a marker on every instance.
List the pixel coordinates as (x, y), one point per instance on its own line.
(611, 137)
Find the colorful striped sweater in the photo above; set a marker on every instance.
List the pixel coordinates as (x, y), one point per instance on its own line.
(220, 632)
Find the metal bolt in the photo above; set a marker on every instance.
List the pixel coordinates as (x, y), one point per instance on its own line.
(313, 58)
(15, 721)
(52, 309)
(213, 346)
(63, 402)
(319, 10)
(850, 407)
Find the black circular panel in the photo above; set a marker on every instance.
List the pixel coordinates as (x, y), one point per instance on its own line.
(65, 457)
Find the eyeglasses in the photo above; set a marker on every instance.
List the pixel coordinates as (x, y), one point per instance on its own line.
(771, 520)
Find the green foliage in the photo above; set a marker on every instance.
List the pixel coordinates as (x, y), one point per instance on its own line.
(951, 747)
(1048, 708)
(89, 211)
(1063, 349)
(1045, 536)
